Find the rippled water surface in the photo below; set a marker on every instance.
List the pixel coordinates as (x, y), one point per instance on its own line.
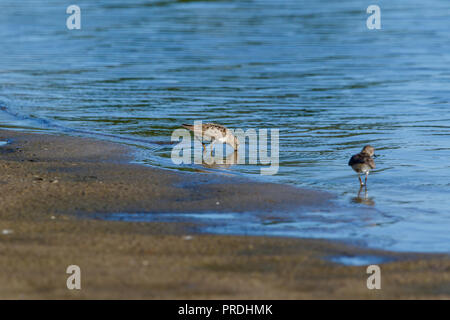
(137, 69)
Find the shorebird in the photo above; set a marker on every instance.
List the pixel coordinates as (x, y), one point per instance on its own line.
(363, 162)
(213, 132)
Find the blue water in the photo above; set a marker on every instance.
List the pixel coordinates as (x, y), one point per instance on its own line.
(137, 69)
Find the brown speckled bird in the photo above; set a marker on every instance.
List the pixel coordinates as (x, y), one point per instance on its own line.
(363, 162)
(213, 132)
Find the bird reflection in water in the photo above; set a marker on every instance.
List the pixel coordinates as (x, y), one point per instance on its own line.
(219, 162)
(363, 197)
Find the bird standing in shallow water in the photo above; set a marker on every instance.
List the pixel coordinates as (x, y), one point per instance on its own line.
(363, 162)
(213, 132)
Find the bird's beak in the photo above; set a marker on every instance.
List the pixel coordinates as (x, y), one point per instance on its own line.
(375, 156)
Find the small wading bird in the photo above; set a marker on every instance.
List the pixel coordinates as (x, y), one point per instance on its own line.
(213, 132)
(363, 162)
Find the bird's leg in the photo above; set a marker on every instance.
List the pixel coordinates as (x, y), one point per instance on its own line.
(211, 145)
(360, 181)
(359, 192)
(366, 194)
(365, 182)
(201, 141)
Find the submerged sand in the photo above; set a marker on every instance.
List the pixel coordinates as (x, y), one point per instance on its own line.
(51, 185)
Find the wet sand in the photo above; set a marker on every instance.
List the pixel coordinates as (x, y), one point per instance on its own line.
(50, 185)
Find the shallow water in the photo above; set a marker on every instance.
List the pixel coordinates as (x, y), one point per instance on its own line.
(138, 69)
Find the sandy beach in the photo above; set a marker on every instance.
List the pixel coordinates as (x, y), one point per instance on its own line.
(52, 185)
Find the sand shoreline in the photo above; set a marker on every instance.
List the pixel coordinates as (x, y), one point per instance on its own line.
(47, 180)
